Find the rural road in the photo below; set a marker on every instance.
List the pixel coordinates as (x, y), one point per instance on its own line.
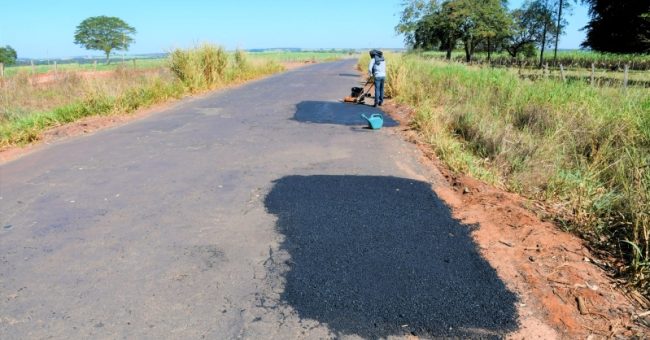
(264, 211)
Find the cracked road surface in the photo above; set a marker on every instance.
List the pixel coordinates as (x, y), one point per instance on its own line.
(262, 211)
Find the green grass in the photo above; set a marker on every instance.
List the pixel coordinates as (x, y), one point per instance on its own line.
(142, 64)
(583, 150)
(570, 59)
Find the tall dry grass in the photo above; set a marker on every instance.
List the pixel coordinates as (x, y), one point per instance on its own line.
(583, 150)
(27, 108)
(209, 66)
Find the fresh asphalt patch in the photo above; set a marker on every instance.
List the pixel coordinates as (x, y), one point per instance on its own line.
(376, 256)
(322, 112)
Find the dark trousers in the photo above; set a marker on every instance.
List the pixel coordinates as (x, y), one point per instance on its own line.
(379, 89)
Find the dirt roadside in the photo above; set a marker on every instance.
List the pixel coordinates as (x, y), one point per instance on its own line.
(554, 273)
(93, 124)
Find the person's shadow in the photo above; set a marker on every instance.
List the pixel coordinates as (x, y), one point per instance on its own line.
(377, 256)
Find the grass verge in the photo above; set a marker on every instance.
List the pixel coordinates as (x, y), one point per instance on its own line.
(583, 150)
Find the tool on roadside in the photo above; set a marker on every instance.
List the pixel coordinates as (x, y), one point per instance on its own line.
(358, 94)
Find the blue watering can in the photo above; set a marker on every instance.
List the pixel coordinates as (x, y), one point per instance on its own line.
(375, 121)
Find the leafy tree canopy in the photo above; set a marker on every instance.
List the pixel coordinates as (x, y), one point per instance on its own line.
(618, 26)
(414, 11)
(8, 55)
(104, 33)
(470, 21)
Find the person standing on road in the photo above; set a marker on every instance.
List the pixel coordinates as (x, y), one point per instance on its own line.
(377, 69)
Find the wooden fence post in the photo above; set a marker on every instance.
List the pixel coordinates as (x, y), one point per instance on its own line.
(625, 76)
(593, 73)
(56, 68)
(2, 70)
(562, 73)
(546, 70)
(134, 64)
(33, 67)
(95, 64)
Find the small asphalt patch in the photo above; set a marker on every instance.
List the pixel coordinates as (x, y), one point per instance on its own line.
(377, 256)
(321, 112)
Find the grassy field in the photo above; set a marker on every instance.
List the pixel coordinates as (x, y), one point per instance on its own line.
(28, 107)
(299, 56)
(154, 63)
(583, 150)
(142, 64)
(574, 58)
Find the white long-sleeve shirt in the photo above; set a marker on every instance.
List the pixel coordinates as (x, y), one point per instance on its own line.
(379, 70)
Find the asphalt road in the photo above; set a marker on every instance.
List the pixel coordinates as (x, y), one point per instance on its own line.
(263, 211)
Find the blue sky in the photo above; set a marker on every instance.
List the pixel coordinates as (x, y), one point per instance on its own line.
(45, 29)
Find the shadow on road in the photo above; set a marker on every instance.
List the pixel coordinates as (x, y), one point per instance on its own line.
(337, 113)
(380, 256)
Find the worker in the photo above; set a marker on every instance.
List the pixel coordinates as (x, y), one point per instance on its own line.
(377, 69)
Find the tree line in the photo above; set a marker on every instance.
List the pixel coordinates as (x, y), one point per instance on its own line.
(488, 25)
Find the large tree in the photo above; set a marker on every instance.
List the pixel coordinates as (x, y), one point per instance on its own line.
(544, 14)
(104, 33)
(413, 12)
(8, 55)
(435, 30)
(473, 22)
(534, 24)
(563, 6)
(526, 30)
(478, 21)
(618, 26)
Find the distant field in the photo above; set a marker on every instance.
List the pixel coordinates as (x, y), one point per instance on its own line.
(153, 63)
(575, 58)
(63, 66)
(300, 56)
(608, 68)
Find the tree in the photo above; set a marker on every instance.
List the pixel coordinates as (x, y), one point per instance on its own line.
(495, 23)
(543, 13)
(562, 5)
(473, 22)
(8, 55)
(104, 33)
(618, 26)
(435, 31)
(478, 21)
(526, 30)
(532, 25)
(412, 14)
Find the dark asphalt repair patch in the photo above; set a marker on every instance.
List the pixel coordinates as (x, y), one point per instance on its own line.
(321, 112)
(378, 256)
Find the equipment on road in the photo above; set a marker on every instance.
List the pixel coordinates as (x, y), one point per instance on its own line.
(358, 94)
(375, 121)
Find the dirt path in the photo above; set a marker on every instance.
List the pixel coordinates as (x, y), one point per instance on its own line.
(268, 211)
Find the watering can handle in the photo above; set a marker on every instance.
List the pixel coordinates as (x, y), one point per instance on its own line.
(375, 115)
